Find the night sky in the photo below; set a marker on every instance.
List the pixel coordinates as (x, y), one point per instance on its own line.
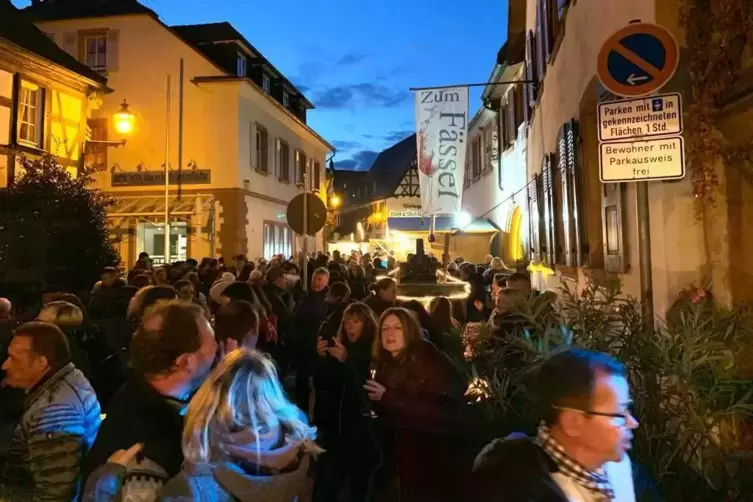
(356, 59)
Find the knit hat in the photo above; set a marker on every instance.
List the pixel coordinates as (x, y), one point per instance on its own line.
(274, 273)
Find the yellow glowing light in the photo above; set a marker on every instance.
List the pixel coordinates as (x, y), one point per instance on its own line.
(541, 268)
(479, 388)
(426, 300)
(335, 201)
(124, 120)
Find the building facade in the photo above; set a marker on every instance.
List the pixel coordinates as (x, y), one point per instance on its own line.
(495, 173)
(383, 208)
(46, 97)
(230, 128)
(583, 229)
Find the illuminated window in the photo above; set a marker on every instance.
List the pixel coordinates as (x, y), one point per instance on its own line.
(30, 114)
(278, 239)
(96, 52)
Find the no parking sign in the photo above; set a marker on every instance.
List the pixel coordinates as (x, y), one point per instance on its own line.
(638, 60)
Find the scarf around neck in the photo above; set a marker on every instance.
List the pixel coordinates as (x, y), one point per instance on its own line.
(596, 482)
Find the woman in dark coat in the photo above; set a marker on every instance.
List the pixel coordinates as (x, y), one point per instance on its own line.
(414, 392)
(342, 413)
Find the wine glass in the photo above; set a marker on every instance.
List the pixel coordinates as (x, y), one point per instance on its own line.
(369, 411)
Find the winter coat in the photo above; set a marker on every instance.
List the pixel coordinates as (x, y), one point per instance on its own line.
(59, 423)
(517, 469)
(136, 414)
(423, 403)
(278, 298)
(281, 476)
(309, 315)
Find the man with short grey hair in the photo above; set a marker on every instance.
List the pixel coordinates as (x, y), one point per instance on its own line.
(60, 418)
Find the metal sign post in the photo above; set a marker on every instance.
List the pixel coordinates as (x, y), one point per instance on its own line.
(640, 139)
(167, 175)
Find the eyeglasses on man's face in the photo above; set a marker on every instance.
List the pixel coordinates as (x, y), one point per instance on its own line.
(621, 418)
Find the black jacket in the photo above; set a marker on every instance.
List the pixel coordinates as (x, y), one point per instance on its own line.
(138, 414)
(516, 469)
(278, 298)
(309, 315)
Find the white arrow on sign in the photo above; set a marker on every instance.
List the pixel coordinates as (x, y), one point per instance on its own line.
(632, 79)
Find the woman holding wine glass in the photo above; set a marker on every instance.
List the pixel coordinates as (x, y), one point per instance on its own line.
(415, 392)
(342, 410)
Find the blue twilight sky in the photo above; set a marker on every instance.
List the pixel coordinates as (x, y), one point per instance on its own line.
(356, 59)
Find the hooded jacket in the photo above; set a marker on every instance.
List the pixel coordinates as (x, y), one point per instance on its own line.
(278, 473)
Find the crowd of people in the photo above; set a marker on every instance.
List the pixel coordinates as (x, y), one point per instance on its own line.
(249, 381)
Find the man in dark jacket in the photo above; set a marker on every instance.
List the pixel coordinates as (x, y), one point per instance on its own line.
(149, 408)
(279, 298)
(309, 315)
(60, 418)
(581, 449)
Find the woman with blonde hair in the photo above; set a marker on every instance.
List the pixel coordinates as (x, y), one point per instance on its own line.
(243, 439)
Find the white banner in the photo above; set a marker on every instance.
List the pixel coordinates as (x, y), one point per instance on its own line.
(442, 135)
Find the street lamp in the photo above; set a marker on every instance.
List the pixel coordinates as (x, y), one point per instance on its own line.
(124, 120)
(124, 124)
(335, 201)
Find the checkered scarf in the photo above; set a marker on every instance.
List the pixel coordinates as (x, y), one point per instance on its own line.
(596, 482)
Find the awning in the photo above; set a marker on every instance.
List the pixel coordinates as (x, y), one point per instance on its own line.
(142, 206)
(442, 224)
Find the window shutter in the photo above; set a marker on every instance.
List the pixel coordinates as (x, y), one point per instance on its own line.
(546, 29)
(534, 223)
(576, 192)
(612, 212)
(547, 180)
(113, 51)
(567, 223)
(70, 44)
(503, 127)
(541, 41)
(530, 70)
(511, 115)
(561, 6)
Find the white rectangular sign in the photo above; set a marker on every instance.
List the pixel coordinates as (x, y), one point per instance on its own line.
(441, 137)
(640, 118)
(652, 159)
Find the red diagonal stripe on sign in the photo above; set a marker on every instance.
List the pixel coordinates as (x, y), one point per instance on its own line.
(637, 60)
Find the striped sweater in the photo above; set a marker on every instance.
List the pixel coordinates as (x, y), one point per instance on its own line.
(60, 421)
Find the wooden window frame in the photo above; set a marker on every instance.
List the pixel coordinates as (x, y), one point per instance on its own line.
(476, 157)
(301, 164)
(96, 154)
(317, 176)
(40, 98)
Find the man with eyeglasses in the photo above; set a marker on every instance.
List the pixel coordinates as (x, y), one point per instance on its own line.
(580, 451)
